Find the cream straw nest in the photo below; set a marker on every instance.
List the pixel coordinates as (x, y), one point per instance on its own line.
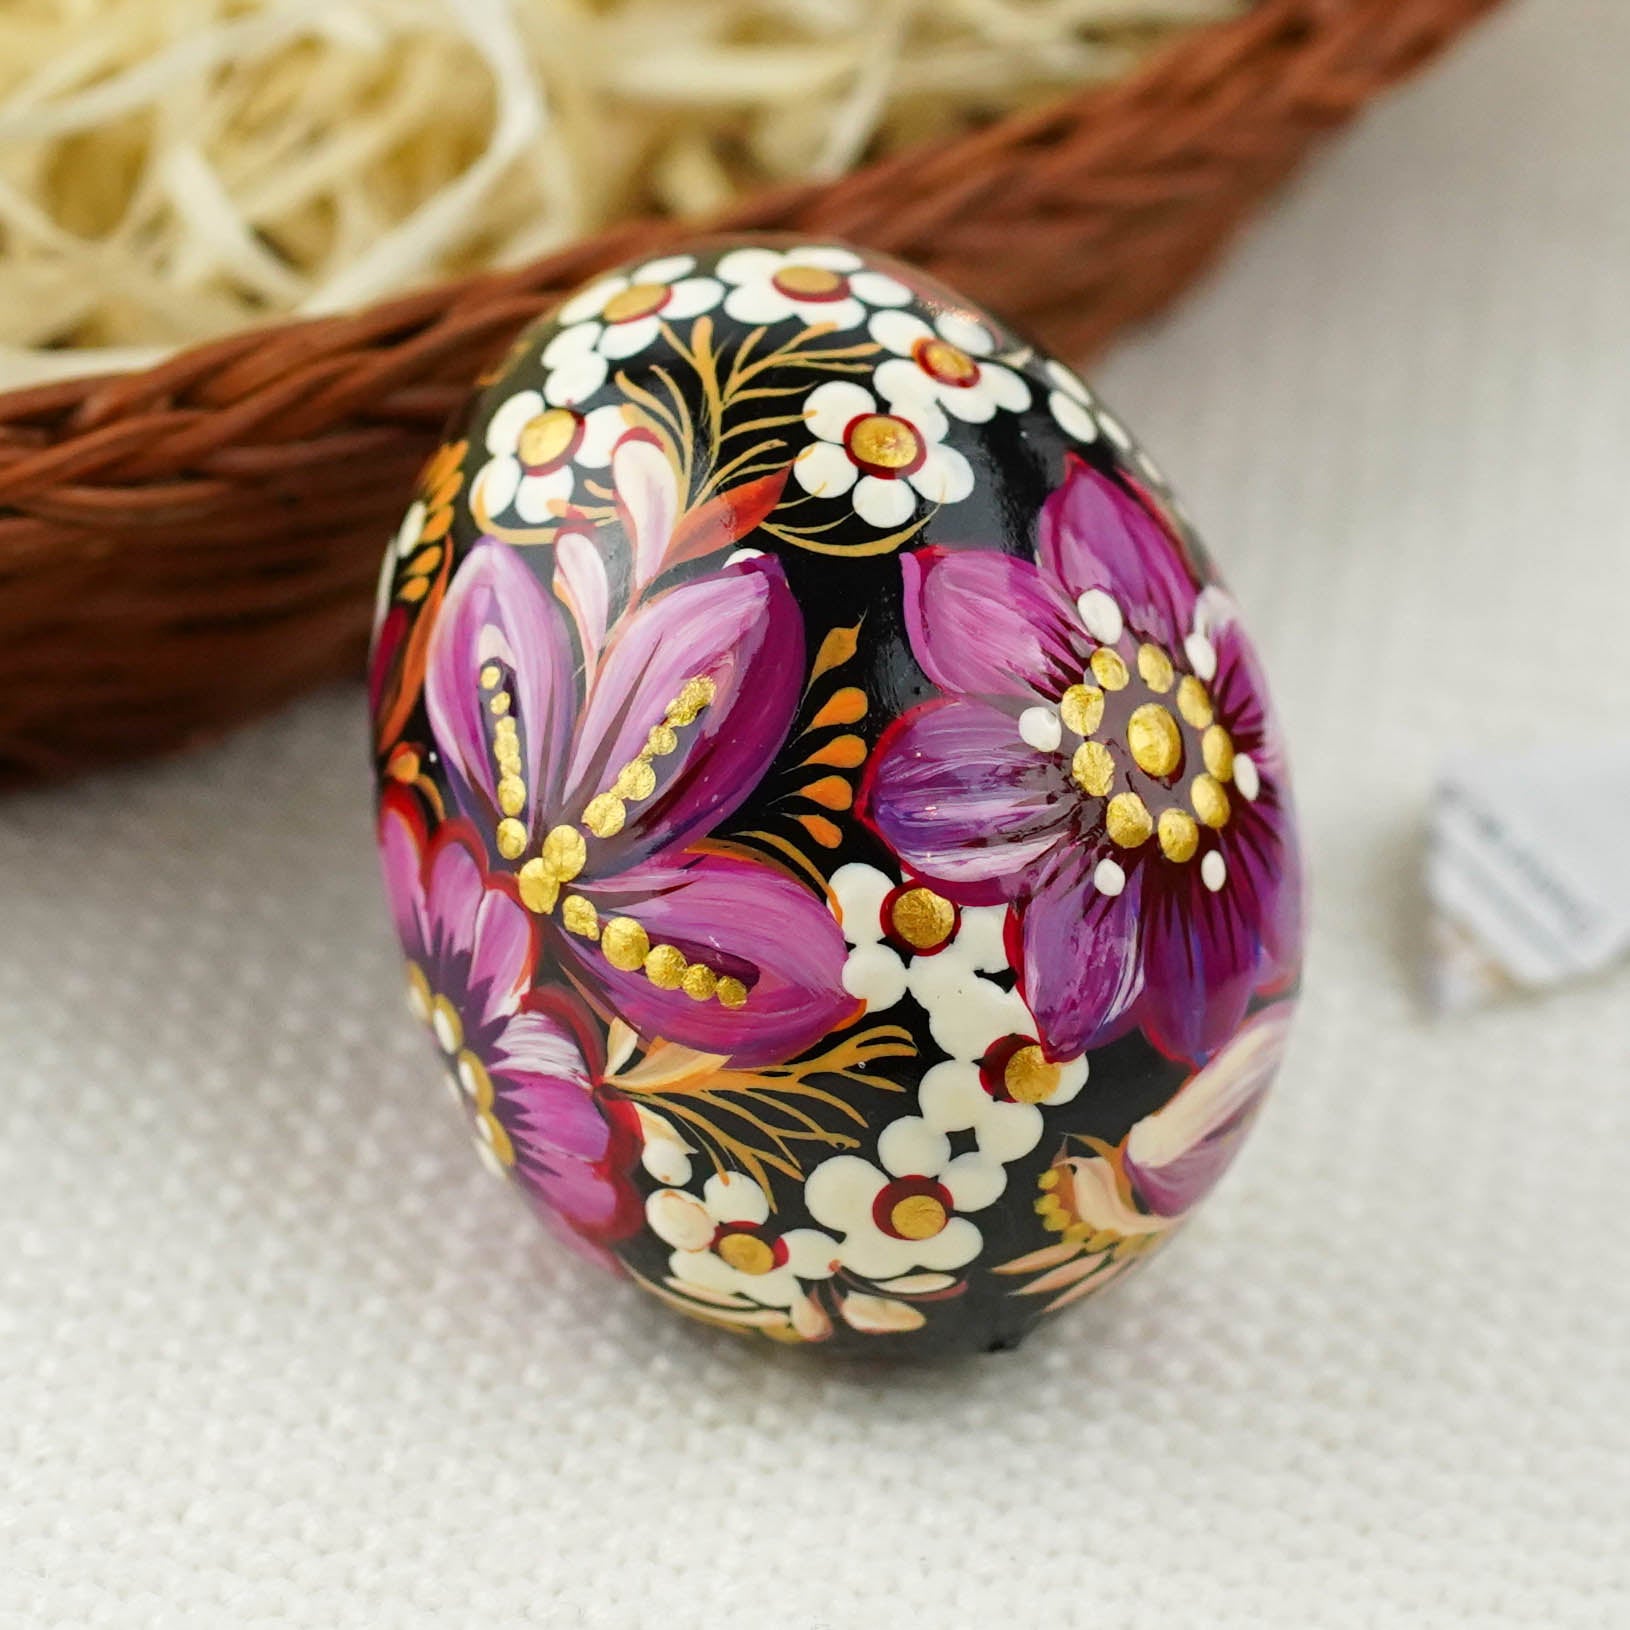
(171, 170)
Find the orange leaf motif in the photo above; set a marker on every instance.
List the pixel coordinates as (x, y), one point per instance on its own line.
(725, 518)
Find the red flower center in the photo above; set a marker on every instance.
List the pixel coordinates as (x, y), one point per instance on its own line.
(941, 360)
(912, 1208)
(810, 283)
(884, 445)
(636, 301)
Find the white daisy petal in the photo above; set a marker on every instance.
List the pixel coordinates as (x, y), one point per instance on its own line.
(840, 1192)
(602, 430)
(830, 255)
(1115, 430)
(910, 1147)
(966, 333)
(590, 302)
(883, 504)
(575, 380)
(860, 891)
(504, 428)
(1072, 1077)
(841, 314)
(1006, 388)
(1074, 418)
(1202, 655)
(1041, 728)
(951, 1096)
(536, 493)
(875, 975)
(750, 265)
(824, 470)
(495, 485)
(1068, 381)
(664, 269)
(680, 1220)
(982, 939)
(621, 340)
(756, 303)
(810, 1253)
(900, 382)
(975, 1180)
(692, 297)
(944, 477)
(829, 408)
(972, 404)
(733, 1197)
(871, 1253)
(898, 331)
(879, 289)
(570, 343)
(956, 1244)
(407, 534)
(1008, 1132)
(1101, 615)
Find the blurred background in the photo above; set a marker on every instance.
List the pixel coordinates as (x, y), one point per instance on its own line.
(273, 1348)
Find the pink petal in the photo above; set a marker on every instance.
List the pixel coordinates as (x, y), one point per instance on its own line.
(496, 611)
(964, 801)
(740, 916)
(648, 498)
(1095, 535)
(401, 859)
(1081, 973)
(739, 629)
(984, 624)
(581, 586)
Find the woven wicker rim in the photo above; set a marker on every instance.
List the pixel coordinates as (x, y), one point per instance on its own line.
(185, 547)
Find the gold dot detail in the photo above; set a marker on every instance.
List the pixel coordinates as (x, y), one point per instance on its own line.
(694, 695)
(1109, 669)
(1028, 1077)
(809, 281)
(1093, 769)
(1128, 820)
(539, 886)
(638, 300)
(661, 740)
(1155, 668)
(625, 944)
(1218, 748)
(665, 966)
(1210, 800)
(635, 780)
(1179, 836)
(490, 675)
(580, 917)
(885, 442)
(546, 438)
(922, 918)
(511, 795)
(605, 815)
(564, 853)
(699, 982)
(511, 839)
(499, 704)
(731, 992)
(746, 1253)
(918, 1216)
(1194, 702)
(1155, 740)
(1081, 708)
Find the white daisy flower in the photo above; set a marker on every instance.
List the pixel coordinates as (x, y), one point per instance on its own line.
(887, 457)
(820, 283)
(724, 1244)
(946, 364)
(905, 1214)
(532, 450)
(1071, 403)
(617, 317)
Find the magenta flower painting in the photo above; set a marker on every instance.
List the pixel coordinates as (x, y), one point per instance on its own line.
(524, 1062)
(601, 778)
(1102, 760)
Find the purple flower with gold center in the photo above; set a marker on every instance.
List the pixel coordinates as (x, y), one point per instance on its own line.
(600, 770)
(526, 1064)
(1103, 760)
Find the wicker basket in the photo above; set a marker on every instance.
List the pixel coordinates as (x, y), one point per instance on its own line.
(183, 548)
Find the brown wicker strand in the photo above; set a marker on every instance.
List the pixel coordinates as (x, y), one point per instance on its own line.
(183, 548)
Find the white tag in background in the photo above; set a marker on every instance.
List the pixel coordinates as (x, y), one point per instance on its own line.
(1529, 871)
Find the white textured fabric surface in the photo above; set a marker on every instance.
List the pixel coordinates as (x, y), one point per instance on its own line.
(275, 1351)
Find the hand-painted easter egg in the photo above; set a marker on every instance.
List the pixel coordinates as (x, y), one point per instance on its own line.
(833, 816)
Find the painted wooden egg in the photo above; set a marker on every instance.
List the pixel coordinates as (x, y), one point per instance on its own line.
(834, 819)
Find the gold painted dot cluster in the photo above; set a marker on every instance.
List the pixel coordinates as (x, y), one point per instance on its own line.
(1168, 735)
(564, 851)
